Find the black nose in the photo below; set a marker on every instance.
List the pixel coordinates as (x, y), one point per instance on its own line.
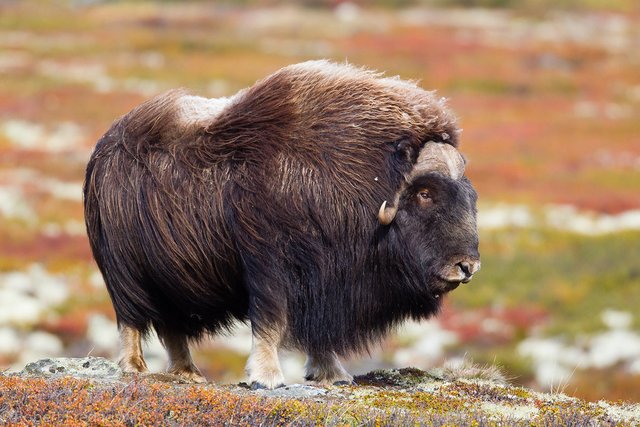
(469, 268)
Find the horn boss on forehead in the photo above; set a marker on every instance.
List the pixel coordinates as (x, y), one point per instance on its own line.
(439, 157)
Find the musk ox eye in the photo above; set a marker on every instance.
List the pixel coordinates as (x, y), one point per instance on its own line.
(424, 198)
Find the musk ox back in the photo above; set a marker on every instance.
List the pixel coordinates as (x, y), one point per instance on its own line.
(325, 205)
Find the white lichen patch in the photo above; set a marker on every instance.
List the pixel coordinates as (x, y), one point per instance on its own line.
(554, 397)
(558, 217)
(13, 204)
(431, 386)
(25, 295)
(20, 178)
(9, 341)
(70, 228)
(621, 413)
(555, 359)
(34, 136)
(64, 190)
(428, 340)
(517, 412)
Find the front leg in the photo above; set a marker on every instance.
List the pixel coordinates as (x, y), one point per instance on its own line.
(326, 369)
(263, 366)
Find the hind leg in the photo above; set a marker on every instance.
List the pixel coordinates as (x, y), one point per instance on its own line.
(131, 359)
(263, 366)
(326, 369)
(180, 361)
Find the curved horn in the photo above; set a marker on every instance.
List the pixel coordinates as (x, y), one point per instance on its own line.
(440, 157)
(386, 213)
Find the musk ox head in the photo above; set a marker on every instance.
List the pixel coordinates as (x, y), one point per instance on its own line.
(435, 212)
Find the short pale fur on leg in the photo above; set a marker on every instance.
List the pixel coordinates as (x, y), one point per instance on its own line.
(263, 366)
(180, 361)
(131, 359)
(326, 369)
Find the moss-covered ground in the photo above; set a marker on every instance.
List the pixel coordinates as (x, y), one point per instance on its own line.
(402, 397)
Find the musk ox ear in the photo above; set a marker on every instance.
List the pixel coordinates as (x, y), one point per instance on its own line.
(404, 149)
(439, 157)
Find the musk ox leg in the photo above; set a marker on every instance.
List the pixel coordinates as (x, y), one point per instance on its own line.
(180, 362)
(326, 369)
(131, 359)
(263, 366)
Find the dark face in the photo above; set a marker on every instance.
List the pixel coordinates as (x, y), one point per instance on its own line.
(438, 215)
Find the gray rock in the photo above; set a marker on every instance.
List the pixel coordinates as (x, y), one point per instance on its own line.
(296, 391)
(85, 367)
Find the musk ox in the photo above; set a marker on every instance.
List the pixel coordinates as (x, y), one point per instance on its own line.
(325, 205)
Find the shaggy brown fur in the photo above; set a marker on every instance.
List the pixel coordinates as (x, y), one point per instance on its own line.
(264, 207)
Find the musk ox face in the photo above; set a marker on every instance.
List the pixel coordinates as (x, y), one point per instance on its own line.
(437, 215)
(435, 212)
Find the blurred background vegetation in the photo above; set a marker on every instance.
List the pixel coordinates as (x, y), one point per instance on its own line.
(548, 94)
(518, 5)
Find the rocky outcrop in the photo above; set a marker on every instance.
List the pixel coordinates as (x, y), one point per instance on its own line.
(86, 367)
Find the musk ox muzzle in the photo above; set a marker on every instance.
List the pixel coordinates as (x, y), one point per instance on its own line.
(454, 273)
(324, 205)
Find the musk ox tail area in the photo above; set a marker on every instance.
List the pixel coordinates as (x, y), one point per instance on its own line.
(156, 249)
